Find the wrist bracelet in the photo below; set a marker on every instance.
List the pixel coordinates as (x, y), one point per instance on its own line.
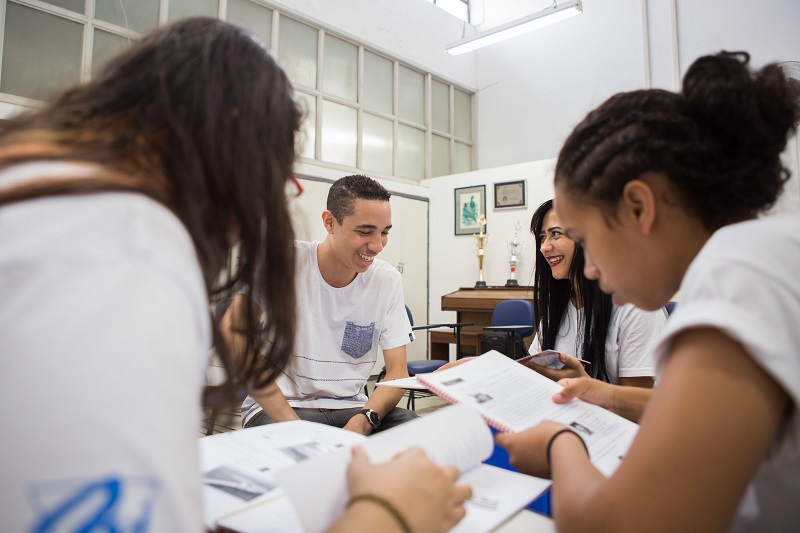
(386, 504)
(553, 438)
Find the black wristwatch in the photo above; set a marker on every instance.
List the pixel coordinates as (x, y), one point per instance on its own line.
(373, 417)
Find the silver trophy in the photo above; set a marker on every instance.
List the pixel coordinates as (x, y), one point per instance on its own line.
(514, 249)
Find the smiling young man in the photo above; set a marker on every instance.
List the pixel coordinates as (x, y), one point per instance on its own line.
(348, 303)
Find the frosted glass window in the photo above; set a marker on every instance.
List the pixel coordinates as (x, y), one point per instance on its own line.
(137, 15)
(463, 115)
(106, 45)
(339, 127)
(52, 45)
(440, 155)
(410, 152)
(377, 142)
(297, 51)
(378, 86)
(411, 86)
(440, 106)
(179, 9)
(340, 72)
(462, 160)
(252, 17)
(78, 6)
(307, 139)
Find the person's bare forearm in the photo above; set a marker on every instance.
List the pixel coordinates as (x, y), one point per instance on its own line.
(630, 402)
(274, 403)
(384, 399)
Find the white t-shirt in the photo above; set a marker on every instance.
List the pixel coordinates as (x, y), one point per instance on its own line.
(745, 283)
(632, 335)
(105, 330)
(338, 333)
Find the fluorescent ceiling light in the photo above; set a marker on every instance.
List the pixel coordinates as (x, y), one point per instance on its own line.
(554, 13)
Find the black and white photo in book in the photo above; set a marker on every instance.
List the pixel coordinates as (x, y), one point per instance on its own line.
(512, 398)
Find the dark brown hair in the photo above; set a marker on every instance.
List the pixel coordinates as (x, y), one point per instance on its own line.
(199, 116)
(344, 192)
(551, 298)
(719, 141)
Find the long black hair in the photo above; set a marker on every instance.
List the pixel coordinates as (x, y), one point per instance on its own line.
(552, 296)
(199, 116)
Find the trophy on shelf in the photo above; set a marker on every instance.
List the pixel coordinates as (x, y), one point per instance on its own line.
(514, 248)
(480, 242)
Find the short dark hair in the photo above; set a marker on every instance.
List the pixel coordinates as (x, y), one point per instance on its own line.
(344, 192)
(718, 141)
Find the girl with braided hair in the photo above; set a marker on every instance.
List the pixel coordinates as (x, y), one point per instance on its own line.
(664, 191)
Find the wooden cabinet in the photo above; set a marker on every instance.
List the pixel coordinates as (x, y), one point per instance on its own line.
(476, 306)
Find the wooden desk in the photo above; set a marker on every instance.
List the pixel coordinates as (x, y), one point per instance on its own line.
(476, 306)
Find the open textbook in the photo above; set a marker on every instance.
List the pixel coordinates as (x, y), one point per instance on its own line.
(512, 397)
(291, 477)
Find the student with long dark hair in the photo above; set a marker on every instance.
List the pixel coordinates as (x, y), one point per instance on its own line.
(664, 192)
(576, 318)
(119, 204)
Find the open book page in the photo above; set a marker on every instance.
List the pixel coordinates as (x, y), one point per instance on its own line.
(497, 494)
(453, 435)
(513, 397)
(409, 383)
(237, 467)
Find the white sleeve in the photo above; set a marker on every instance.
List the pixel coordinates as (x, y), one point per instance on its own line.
(396, 329)
(637, 333)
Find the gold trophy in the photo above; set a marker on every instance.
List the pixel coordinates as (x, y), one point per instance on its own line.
(480, 242)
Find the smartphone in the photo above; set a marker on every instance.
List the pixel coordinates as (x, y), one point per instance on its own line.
(548, 358)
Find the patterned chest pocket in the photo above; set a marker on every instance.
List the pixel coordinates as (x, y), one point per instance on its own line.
(357, 339)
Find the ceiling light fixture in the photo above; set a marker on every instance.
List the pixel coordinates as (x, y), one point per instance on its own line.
(554, 13)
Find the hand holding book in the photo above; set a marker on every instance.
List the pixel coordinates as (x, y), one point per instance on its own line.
(512, 398)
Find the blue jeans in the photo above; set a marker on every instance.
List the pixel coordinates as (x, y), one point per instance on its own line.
(338, 417)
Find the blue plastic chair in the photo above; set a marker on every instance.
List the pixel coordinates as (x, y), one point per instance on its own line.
(425, 366)
(516, 318)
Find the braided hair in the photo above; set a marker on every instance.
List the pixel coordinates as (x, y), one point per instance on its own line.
(719, 141)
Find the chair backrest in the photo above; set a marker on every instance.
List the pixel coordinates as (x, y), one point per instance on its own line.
(514, 313)
(410, 318)
(670, 307)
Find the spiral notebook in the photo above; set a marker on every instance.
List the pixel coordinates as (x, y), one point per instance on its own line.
(512, 398)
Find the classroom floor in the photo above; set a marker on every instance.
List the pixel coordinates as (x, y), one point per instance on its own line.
(232, 420)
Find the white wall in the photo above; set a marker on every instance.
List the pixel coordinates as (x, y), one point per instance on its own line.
(453, 257)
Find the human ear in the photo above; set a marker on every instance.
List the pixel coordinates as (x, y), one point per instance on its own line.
(327, 221)
(639, 204)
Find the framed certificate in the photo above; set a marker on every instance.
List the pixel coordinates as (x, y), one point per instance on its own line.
(510, 194)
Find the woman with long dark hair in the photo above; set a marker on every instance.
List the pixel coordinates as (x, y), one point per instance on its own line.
(575, 317)
(665, 192)
(119, 204)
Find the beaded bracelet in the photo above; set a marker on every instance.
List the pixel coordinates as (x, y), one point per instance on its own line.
(386, 504)
(553, 438)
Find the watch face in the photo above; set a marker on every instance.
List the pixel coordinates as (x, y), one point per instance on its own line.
(373, 418)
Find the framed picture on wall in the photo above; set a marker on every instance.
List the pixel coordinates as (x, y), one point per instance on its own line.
(510, 195)
(470, 203)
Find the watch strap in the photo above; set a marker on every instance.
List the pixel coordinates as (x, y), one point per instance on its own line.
(370, 414)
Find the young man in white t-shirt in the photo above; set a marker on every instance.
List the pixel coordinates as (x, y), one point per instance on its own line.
(348, 303)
